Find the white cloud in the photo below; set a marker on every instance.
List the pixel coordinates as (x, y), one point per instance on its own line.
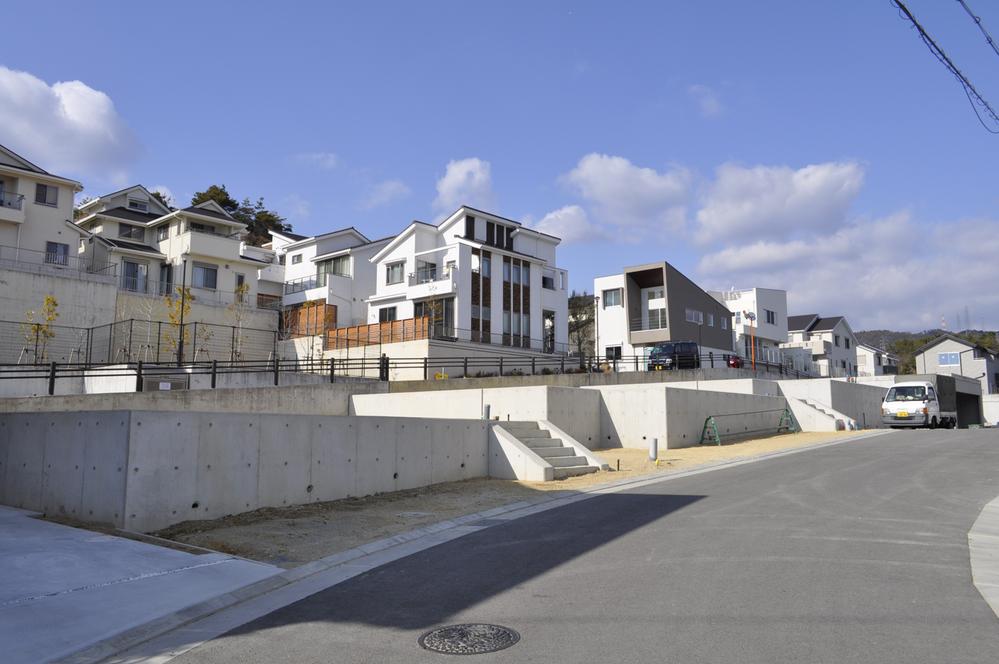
(165, 192)
(465, 182)
(296, 206)
(384, 193)
(707, 100)
(890, 273)
(322, 160)
(773, 201)
(623, 194)
(572, 224)
(67, 128)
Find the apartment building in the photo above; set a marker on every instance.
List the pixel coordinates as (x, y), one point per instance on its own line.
(650, 304)
(830, 341)
(155, 249)
(950, 354)
(874, 361)
(759, 322)
(478, 278)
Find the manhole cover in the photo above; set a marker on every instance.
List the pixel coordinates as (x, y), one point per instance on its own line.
(469, 639)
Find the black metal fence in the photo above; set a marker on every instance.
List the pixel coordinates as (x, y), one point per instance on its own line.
(133, 340)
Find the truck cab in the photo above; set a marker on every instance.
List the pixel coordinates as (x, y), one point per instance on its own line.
(915, 404)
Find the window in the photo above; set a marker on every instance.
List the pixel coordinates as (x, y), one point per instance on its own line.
(836, 340)
(241, 287)
(724, 322)
(506, 271)
(772, 317)
(281, 259)
(394, 272)
(948, 359)
(548, 280)
(486, 266)
(46, 194)
(711, 320)
(932, 394)
(490, 232)
(163, 232)
(205, 276)
(201, 228)
(339, 266)
(56, 253)
(612, 353)
(506, 322)
(386, 314)
(296, 259)
(130, 232)
(516, 274)
(612, 298)
(656, 293)
(846, 340)
(738, 317)
(141, 206)
(695, 316)
(469, 227)
(134, 276)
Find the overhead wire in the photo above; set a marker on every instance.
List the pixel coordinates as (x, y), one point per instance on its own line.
(974, 97)
(981, 26)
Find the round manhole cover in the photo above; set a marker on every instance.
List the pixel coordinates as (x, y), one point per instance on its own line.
(469, 639)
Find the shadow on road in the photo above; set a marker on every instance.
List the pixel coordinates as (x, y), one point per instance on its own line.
(425, 589)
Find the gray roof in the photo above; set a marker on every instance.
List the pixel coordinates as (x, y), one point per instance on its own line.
(208, 213)
(131, 215)
(826, 324)
(134, 246)
(801, 323)
(291, 236)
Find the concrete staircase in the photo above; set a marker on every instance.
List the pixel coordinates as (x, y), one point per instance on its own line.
(560, 456)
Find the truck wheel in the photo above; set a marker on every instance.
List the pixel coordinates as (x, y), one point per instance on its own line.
(933, 422)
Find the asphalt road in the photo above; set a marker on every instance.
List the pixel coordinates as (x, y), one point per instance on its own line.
(850, 553)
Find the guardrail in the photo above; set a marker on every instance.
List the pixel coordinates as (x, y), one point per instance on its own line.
(785, 424)
(18, 257)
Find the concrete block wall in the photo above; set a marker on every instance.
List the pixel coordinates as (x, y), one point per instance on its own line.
(146, 470)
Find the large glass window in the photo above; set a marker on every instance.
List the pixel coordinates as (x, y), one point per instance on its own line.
(386, 314)
(695, 316)
(130, 232)
(486, 266)
(394, 272)
(612, 298)
(948, 359)
(134, 276)
(46, 194)
(205, 276)
(56, 253)
(339, 266)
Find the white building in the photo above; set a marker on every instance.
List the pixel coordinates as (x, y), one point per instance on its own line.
(758, 338)
(36, 216)
(872, 361)
(830, 341)
(650, 304)
(950, 354)
(477, 277)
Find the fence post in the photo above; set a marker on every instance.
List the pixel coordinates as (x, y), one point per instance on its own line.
(128, 351)
(532, 365)
(138, 377)
(561, 366)
(36, 346)
(501, 366)
(232, 345)
(194, 342)
(332, 369)
(711, 358)
(277, 370)
(52, 377)
(215, 371)
(636, 363)
(464, 367)
(110, 343)
(426, 368)
(90, 344)
(159, 332)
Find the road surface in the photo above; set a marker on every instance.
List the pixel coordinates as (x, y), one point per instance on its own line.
(856, 552)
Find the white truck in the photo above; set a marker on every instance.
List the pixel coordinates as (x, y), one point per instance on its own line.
(920, 403)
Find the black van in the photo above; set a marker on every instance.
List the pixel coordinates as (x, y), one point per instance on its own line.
(675, 355)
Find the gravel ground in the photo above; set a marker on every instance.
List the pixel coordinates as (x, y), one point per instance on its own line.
(291, 536)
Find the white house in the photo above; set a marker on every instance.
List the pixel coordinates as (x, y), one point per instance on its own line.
(950, 354)
(477, 277)
(759, 321)
(873, 361)
(654, 303)
(36, 216)
(830, 341)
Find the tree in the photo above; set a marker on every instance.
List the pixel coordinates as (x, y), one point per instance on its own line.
(38, 327)
(163, 198)
(77, 212)
(582, 321)
(176, 303)
(259, 220)
(238, 311)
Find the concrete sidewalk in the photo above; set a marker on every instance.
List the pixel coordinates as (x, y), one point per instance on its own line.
(63, 589)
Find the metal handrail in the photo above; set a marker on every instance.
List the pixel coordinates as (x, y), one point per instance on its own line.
(17, 255)
(10, 199)
(650, 323)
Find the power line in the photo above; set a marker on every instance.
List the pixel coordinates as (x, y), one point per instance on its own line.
(978, 22)
(974, 98)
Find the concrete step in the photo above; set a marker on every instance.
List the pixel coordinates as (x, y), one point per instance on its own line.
(572, 471)
(562, 462)
(532, 435)
(518, 426)
(535, 443)
(550, 452)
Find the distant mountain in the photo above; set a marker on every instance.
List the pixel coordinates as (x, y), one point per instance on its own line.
(905, 344)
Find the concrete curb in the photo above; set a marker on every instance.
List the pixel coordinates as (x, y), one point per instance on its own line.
(353, 562)
(983, 549)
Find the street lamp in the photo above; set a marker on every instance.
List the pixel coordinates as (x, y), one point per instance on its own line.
(596, 326)
(751, 317)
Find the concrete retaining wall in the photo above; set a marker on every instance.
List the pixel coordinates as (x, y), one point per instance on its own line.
(146, 470)
(859, 402)
(760, 387)
(324, 399)
(990, 409)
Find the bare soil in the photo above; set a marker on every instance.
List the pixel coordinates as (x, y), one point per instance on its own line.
(291, 536)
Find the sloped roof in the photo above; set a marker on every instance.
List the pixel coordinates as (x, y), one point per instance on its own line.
(194, 209)
(826, 324)
(131, 215)
(133, 246)
(802, 322)
(952, 337)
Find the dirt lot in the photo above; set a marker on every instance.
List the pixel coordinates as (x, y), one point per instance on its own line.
(291, 536)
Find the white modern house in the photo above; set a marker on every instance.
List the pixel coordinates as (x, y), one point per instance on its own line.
(655, 303)
(830, 341)
(873, 361)
(476, 277)
(950, 354)
(36, 216)
(759, 321)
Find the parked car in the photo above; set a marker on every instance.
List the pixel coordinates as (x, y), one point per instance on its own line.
(674, 355)
(735, 362)
(916, 404)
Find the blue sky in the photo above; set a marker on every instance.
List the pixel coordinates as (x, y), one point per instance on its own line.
(815, 147)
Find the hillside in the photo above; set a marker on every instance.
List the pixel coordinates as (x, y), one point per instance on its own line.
(905, 344)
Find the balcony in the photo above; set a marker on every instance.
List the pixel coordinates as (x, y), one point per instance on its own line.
(11, 207)
(213, 245)
(648, 329)
(59, 264)
(209, 296)
(430, 282)
(817, 347)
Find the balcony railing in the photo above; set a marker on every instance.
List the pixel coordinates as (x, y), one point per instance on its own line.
(427, 275)
(656, 320)
(205, 231)
(9, 199)
(301, 284)
(28, 259)
(209, 296)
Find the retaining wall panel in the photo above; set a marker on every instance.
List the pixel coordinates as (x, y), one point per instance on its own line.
(334, 459)
(376, 453)
(105, 467)
(162, 470)
(285, 460)
(25, 460)
(5, 427)
(228, 463)
(62, 475)
(413, 447)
